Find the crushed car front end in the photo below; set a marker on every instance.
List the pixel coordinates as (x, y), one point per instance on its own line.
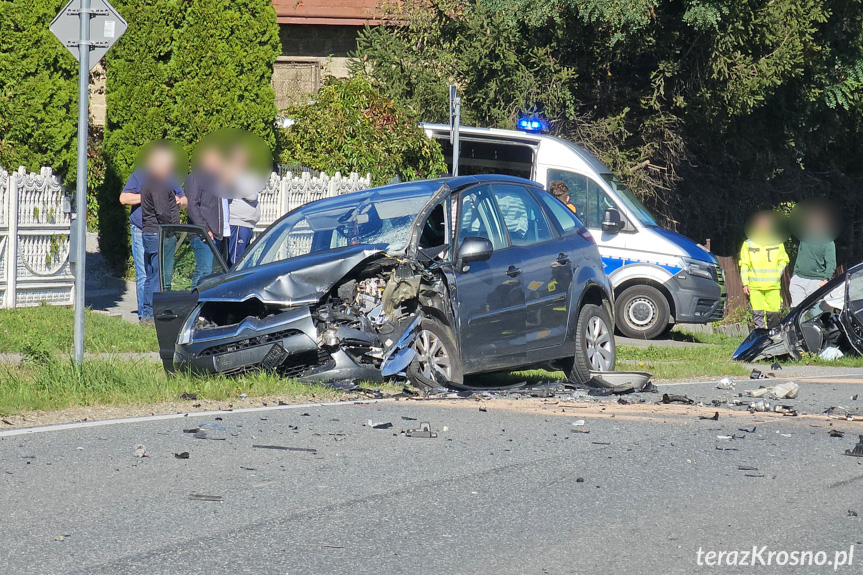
(346, 314)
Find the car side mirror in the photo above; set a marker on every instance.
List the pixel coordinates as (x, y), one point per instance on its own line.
(611, 221)
(475, 249)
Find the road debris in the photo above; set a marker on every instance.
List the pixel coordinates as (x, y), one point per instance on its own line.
(746, 468)
(836, 433)
(714, 417)
(423, 431)
(189, 396)
(379, 425)
(787, 390)
(286, 448)
(726, 383)
(775, 366)
(852, 513)
(483, 409)
(858, 449)
(578, 423)
(743, 429)
(831, 353)
(672, 398)
(760, 405)
(140, 451)
(199, 497)
(183, 455)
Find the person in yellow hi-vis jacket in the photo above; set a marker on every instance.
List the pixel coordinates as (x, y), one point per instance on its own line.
(762, 261)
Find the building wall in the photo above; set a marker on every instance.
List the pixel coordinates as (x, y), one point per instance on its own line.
(310, 52)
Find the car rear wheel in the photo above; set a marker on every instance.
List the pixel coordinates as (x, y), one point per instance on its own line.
(437, 358)
(594, 344)
(642, 312)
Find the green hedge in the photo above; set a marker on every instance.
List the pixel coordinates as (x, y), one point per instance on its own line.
(38, 90)
(183, 69)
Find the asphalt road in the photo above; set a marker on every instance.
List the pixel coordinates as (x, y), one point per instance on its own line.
(513, 489)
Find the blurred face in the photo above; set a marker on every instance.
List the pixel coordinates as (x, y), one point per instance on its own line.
(766, 228)
(815, 220)
(161, 163)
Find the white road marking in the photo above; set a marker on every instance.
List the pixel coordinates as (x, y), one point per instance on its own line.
(100, 423)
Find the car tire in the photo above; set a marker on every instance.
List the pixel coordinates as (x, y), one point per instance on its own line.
(642, 312)
(437, 360)
(595, 349)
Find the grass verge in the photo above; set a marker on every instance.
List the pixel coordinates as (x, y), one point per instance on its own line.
(33, 330)
(56, 383)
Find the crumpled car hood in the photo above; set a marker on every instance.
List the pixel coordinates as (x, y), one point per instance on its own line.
(303, 279)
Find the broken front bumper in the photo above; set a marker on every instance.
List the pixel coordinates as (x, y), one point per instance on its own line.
(286, 343)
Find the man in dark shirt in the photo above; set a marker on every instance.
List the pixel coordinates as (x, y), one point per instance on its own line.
(131, 196)
(207, 207)
(158, 206)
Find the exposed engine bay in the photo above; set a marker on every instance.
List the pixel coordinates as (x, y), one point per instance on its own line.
(366, 320)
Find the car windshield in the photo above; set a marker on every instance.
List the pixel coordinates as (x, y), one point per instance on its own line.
(627, 197)
(376, 217)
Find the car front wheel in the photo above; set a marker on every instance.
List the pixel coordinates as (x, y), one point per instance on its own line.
(594, 344)
(642, 312)
(437, 360)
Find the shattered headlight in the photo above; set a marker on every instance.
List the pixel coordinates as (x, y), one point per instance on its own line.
(185, 335)
(699, 268)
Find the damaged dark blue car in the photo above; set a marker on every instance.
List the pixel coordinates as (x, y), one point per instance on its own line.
(432, 280)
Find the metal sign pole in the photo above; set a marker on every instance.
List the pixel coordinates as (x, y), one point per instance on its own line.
(454, 121)
(456, 152)
(80, 230)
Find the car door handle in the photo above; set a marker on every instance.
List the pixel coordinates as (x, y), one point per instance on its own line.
(167, 316)
(513, 271)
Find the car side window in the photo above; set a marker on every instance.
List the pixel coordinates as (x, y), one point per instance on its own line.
(566, 220)
(524, 219)
(577, 185)
(479, 218)
(597, 202)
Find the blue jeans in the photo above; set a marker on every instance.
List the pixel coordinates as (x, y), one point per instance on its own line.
(140, 269)
(203, 260)
(241, 237)
(151, 264)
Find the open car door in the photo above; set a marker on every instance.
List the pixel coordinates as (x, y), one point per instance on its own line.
(186, 256)
(851, 316)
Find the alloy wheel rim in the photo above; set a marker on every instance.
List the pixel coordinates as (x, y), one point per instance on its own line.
(433, 357)
(599, 345)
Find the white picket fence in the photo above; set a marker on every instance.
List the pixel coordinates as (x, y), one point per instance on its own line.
(35, 228)
(286, 193)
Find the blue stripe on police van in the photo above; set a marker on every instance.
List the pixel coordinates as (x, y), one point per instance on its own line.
(612, 264)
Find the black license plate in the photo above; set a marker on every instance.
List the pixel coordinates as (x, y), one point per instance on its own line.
(274, 357)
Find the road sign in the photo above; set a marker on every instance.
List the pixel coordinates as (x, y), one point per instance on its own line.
(106, 27)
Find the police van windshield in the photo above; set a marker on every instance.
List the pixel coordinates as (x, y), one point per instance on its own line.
(627, 197)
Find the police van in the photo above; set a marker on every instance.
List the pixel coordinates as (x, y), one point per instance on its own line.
(660, 277)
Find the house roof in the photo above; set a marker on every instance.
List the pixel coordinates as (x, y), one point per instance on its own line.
(327, 12)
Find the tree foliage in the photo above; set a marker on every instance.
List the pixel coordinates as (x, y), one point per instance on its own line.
(709, 109)
(38, 90)
(351, 127)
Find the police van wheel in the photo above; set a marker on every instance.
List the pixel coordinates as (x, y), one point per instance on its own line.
(642, 312)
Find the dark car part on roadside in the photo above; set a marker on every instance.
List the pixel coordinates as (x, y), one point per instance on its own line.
(673, 398)
(829, 322)
(858, 449)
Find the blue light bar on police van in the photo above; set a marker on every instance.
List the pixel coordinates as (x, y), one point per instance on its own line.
(531, 125)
